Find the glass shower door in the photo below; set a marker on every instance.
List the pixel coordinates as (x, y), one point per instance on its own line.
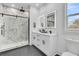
(16, 29)
(10, 28)
(22, 29)
(13, 32)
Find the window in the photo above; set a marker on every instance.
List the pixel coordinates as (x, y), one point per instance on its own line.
(73, 16)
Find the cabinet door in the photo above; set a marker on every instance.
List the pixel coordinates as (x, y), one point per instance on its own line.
(34, 37)
(52, 45)
(48, 44)
(45, 43)
(38, 41)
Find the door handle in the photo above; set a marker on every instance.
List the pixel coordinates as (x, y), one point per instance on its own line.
(3, 29)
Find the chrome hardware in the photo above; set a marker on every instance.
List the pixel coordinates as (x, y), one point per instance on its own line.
(3, 29)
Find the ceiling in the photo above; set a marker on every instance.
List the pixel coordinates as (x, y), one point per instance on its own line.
(24, 5)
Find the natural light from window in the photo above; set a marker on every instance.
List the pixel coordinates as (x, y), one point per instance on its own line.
(73, 15)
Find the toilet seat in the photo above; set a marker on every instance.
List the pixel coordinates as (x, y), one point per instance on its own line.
(68, 54)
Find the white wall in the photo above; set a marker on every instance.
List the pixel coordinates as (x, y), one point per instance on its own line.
(34, 14)
(60, 24)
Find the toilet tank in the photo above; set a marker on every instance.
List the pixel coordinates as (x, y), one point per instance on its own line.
(73, 45)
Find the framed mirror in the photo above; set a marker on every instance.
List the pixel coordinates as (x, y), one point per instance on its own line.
(51, 20)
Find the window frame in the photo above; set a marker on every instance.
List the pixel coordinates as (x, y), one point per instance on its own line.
(66, 21)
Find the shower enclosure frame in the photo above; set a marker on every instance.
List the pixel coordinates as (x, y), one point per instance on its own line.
(28, 32)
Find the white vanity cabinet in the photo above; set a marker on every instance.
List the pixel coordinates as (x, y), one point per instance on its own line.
(45, 42)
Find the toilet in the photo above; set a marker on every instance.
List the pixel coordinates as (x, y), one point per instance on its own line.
(72, 46)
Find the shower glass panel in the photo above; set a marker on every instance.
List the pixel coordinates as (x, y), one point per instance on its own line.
(16, 28)
(10, 27)
(22, 29)
(13, 32)
(5, 43)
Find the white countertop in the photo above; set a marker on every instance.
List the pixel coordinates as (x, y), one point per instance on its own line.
(44, 33)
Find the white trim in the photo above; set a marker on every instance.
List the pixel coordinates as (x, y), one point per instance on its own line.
(65, 18)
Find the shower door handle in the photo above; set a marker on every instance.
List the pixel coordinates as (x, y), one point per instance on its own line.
(3, 29)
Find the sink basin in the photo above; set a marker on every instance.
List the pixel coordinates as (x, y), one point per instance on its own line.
(43, 31)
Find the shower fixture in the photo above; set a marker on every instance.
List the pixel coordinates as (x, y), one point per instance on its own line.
(22, 10)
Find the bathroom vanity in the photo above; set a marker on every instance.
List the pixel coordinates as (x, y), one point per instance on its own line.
(45, 42)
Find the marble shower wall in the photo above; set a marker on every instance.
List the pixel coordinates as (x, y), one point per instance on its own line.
(22, 29)
(16, 29)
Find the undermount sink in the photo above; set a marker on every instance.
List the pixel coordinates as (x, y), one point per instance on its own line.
(43, 31)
